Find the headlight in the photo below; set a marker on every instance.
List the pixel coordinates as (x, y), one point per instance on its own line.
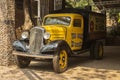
(46, 35)
(25, 35)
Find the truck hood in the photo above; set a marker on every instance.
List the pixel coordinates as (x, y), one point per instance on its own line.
(57, 32)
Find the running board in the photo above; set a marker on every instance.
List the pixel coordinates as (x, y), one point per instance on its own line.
(80, 52)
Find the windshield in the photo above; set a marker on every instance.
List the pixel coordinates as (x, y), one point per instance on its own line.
(57, 20)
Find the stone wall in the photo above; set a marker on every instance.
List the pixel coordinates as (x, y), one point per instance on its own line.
(7, 23)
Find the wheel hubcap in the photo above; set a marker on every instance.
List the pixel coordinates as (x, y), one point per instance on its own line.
(63, 59)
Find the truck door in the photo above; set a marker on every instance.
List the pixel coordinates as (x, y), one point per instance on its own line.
(77, 33)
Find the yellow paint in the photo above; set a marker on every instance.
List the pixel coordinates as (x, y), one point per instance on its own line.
(64, 32)
(63, 59)
(56, 31)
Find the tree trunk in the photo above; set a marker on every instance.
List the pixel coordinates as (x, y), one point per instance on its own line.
(28, 23)
(7, 35)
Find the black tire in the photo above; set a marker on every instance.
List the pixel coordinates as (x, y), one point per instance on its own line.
(97, 51)
(60, 63)
(22, 62)
(92, 51)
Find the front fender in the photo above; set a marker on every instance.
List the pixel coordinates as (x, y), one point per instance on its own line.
(19, 46)
(54, 45)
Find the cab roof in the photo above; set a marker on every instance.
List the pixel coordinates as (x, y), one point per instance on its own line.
(63, 14)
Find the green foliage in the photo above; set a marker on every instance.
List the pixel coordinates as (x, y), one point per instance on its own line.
(113, 12)
(119, 18)
(115, 32)
(115, 15)
(78, 3)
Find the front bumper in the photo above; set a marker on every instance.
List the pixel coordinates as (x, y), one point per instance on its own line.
(40, 56)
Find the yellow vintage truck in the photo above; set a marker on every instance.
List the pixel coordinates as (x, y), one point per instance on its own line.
(63, 34)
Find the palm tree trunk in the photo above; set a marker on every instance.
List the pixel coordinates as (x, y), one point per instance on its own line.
(7, 24)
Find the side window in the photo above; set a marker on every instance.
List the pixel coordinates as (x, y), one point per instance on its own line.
(77, 22)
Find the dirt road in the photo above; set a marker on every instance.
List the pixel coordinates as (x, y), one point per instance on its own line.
(80, 68)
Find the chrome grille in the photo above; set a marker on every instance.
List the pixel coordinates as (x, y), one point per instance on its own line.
(36, 40)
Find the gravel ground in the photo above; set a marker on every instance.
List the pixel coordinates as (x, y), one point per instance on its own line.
(77, 73)
(80, 68)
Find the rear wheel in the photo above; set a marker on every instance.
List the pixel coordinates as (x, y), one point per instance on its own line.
(92, 51)
(97, 51)
(22, 62)
(60, 60)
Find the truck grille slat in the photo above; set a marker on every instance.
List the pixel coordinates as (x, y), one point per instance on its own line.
(36, 40)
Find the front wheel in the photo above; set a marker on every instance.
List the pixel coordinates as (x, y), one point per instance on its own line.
(22, 62)
(60, 60)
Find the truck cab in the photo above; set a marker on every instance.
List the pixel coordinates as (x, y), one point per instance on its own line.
(68, 27)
